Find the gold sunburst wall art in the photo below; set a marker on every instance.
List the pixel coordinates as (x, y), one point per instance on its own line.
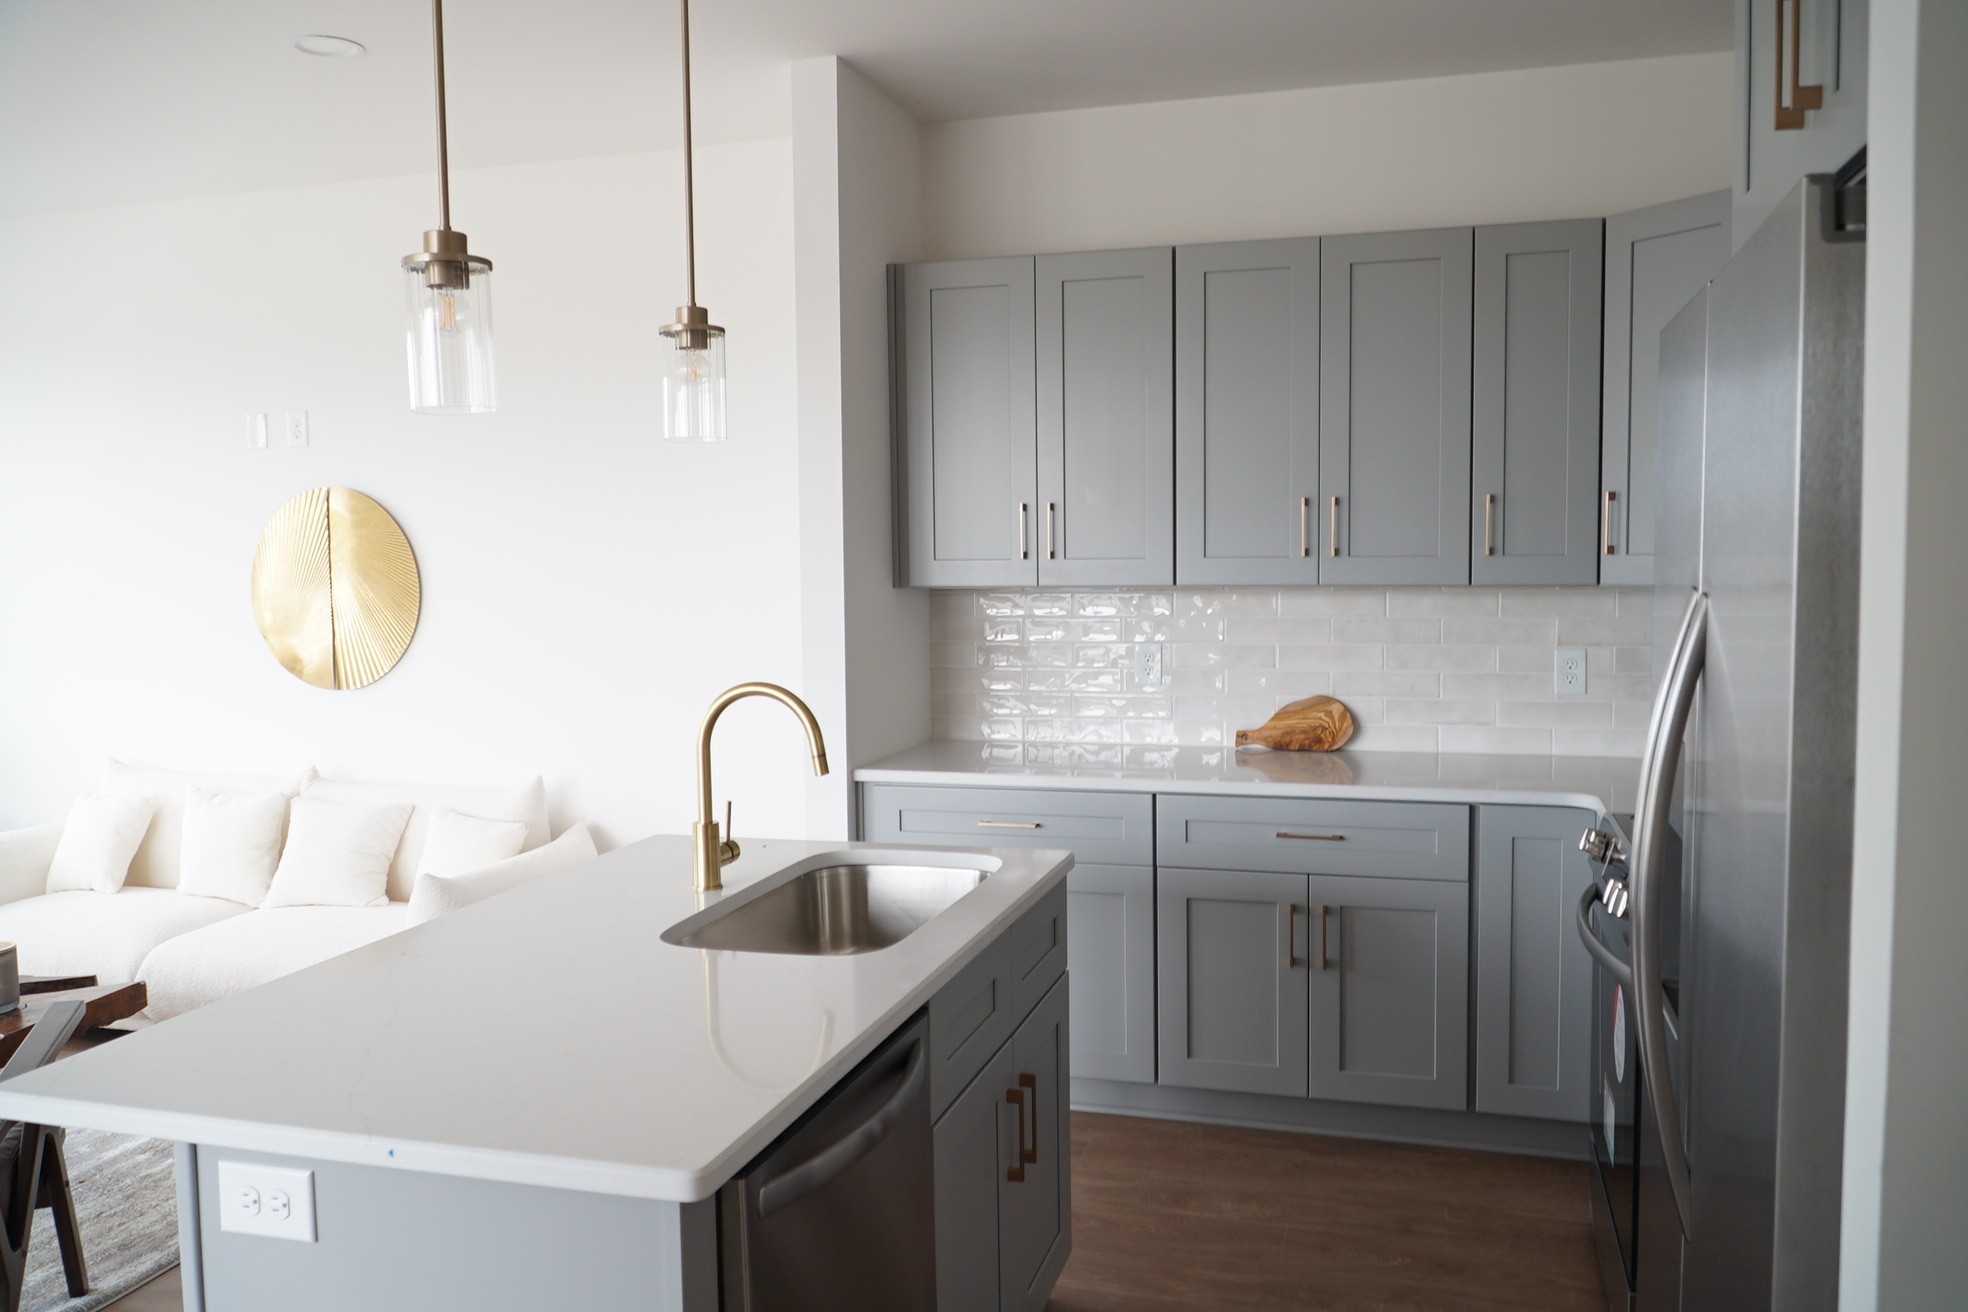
(336, 591)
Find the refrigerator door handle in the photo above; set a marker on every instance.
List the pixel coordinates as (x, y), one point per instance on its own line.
(1650, 824)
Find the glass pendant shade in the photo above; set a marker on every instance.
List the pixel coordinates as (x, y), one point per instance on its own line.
(448, 334)
(693, 388)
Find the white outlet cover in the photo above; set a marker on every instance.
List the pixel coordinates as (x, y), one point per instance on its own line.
(1568, 678)
(275, 1202)
(297, 428)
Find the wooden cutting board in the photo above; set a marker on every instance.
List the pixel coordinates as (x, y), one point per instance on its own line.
(1316, 724)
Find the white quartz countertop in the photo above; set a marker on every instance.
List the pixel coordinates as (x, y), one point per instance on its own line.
(545, 1037)
(1605, 784)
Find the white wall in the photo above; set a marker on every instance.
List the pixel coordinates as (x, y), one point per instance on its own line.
(587, 587)
(1906, 1150)
(857, 201)
(1493, 148)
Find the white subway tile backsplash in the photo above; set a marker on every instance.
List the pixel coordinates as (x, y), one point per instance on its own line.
(1050, 676)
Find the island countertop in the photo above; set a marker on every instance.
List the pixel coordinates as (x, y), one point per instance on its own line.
(544, 1037)
(1604, 784)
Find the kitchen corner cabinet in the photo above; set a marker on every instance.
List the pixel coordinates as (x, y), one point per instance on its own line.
(1535, 406)
(1800, 98)
(1247, 419)
(1003, 1187)
(1656, 260)
(1037, 421)
(1394, 394)
(1533, 977)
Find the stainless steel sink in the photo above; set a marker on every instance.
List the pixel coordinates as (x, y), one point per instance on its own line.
(836, 910)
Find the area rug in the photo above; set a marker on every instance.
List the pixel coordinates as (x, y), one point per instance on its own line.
(126, 1197)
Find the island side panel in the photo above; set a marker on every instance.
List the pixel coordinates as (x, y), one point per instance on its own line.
(392, 1239)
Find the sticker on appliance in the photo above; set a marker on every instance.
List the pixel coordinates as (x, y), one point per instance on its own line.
(1609, 1118)
(1619, 1034)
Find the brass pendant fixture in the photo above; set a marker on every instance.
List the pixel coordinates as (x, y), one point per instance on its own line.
(449, 293)
(336, 590)
(693, 363)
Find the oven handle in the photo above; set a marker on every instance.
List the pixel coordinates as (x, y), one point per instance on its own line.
(1621, 972)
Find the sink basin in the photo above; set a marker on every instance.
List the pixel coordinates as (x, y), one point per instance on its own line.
(836, 910)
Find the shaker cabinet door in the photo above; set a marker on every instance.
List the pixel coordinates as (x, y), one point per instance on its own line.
(1035, 1222)
(968, 446)
(1389, 967)
(1394, 378)
(1111, 954)
(974, 1149)
(1535, 409)
(1231, 980)
(1800, 98)
(1247, 412)
(1106, 419)
(1656, 260)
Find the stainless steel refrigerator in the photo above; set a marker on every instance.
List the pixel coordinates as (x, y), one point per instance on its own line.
(1737, 886)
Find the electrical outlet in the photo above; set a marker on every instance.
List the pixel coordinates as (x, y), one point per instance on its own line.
(256, 432)
(276, 1202)
(1148, 664)
(1571, 672)
(297, 432)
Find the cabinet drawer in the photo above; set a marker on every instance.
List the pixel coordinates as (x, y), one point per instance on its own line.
(1038, 952)
(1390, 840)
(1115, 829)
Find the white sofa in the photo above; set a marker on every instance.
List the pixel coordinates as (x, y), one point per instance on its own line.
(190, 950)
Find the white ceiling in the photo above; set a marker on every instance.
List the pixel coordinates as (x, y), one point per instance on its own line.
(105, 101)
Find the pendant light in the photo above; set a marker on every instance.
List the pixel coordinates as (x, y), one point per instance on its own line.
(448, 294)
(693, 349)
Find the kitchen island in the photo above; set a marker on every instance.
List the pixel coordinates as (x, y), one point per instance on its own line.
(534, 1102)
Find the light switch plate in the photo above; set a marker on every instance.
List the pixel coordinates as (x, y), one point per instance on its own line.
(256, 431)
(297, 428)
(275, 1202)
(1570, 676)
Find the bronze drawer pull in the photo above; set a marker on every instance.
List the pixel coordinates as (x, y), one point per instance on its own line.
(1606, 524)
(1489, 523)
(1007, 824)
(1291, 937)
(1314, 838)
(1332, 529)
(1016, 1171)
(1024, 531)
(1030, 1084)
(1790, 70)
(1325, 963)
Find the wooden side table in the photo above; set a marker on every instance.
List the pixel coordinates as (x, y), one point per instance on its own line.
(106, 1005)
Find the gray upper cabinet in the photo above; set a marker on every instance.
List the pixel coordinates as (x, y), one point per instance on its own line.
(1106, 419)
(1394, 378)
(1231, 980)
(1389, 1004)
(1247, 412)
(1535, 408)
(1800, 97)
(1656, 260)
(969, 452)
(1112, 956)
(1533, 977)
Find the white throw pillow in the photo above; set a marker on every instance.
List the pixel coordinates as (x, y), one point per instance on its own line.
(97, 843)
(435, 895)
(231, 844)
(457, 843)
(337, 855)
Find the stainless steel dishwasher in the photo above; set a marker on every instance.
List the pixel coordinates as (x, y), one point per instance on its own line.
(838, 1214)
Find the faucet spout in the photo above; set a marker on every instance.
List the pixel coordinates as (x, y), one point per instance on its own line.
(714, 849)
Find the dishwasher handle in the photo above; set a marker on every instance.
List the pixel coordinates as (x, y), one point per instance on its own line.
(830, 1162)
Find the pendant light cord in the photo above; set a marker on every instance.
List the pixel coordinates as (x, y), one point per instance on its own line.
(689, 179)
(443, 144)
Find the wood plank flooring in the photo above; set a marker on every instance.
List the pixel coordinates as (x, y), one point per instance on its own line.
(1174, 1217)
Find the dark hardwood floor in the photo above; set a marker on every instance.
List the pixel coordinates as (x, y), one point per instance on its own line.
(1170, 1216)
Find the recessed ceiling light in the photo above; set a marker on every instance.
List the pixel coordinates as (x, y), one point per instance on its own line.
(328, 47)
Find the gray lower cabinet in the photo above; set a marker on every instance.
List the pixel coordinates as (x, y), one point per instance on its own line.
(1656, 260)
(1533, 977)
(1535, 410)
(1106, 419)
(967, 443)
(1394, 379)
(1003, 1214)
(1389, 967)
(1231, 1005)
(1111, 954)
(1247, 412)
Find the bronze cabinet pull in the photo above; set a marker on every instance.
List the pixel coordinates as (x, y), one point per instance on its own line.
(1606, 523)
(1007, 824)
(1332, 529)
(1794, 96)
(1305, 526)
(1024, 531)
(1325, 962)
(1313, 838)
(1291, 937)
(1015, 1173)
(1029, 1156)
(1052, 514)
(1489, 523)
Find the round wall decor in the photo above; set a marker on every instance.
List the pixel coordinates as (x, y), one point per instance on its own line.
(335, 588)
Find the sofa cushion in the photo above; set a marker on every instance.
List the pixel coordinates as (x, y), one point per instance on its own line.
(159, 856)
(457, 843)
(337, 854)
(103, 934)
(527, 802)
(249, 950)
(436, 895)
(231, 844)
(97, 842)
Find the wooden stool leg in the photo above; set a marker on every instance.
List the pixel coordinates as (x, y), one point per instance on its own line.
(57, 1196)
